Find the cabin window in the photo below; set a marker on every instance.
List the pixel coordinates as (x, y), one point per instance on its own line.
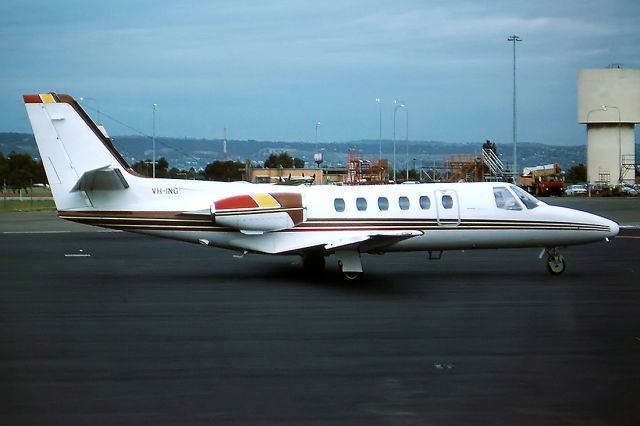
(338, 204)
(425, 202)
(527, 199)
(447, 201)
(404, 203)
(383, 203)
(505, 199)
(361, 204)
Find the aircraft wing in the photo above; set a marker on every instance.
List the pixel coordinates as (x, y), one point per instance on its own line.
(371, 241)
(362, 242)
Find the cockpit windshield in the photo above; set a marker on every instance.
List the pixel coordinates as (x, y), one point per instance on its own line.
(527, 199)
(505, 199)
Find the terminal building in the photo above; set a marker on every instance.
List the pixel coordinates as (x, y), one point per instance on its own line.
(609, 104)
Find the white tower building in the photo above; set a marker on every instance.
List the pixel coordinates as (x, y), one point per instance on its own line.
(609, 104)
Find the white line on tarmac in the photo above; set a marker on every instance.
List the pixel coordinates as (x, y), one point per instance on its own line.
(36, 232)
(56, 232)
(629, 237)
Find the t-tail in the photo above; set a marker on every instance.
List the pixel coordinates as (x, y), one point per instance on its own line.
(76, 154)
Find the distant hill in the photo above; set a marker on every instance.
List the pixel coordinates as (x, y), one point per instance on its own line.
(187, 152)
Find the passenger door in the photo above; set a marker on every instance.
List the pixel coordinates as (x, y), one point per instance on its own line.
(447, 207)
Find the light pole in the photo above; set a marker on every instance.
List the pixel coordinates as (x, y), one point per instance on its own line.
(82, 99)
(317, 125)
(398, 104)
(406, 136)
(514, 38)
(379, 130)
(153, 159)
(604, 108)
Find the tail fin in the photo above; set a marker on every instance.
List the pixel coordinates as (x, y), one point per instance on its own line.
(74, 152)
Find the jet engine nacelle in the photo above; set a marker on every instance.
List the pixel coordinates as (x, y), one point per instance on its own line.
(259, 213)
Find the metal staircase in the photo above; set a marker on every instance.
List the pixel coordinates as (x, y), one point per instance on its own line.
(494, 164)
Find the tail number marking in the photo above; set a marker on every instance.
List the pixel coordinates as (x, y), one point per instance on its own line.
(165, 191)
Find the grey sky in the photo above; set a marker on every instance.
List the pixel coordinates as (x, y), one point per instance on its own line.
(268, 70)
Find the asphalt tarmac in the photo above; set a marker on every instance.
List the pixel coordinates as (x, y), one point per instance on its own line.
(113, 328)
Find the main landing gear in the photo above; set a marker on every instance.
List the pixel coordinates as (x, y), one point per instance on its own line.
(555, 262)
(348, 262)
(349, 276)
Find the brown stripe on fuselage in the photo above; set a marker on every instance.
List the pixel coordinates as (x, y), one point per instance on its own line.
(293, 202)
(127, 219)
(179, 221)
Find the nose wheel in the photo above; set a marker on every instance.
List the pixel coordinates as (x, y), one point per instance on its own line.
(555, 262)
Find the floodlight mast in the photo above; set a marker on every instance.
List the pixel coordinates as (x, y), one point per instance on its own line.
(514, 38)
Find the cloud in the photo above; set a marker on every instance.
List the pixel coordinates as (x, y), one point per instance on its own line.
(270, 67)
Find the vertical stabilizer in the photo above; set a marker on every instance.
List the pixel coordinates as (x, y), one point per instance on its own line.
(70, 145)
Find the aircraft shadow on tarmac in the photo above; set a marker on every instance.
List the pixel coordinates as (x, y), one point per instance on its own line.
(387, 281)
(129, 259)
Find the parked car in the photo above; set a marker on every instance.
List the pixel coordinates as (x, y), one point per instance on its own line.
(625, 189)
(601, 189)
(578, 189)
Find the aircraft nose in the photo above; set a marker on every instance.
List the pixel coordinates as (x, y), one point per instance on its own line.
(614, 228)
(606, 226)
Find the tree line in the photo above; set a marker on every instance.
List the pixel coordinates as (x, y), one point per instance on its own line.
(220, 170)
(18, 171)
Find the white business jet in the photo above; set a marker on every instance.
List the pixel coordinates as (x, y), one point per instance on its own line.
(93, 184)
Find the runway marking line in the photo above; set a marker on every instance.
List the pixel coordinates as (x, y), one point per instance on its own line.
(629, 237)
(55, 232)
(79, 254)
(36, 232)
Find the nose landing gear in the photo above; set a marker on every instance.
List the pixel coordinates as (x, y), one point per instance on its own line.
(555, 262)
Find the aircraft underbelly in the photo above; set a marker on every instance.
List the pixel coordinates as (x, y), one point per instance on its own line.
(459, 239)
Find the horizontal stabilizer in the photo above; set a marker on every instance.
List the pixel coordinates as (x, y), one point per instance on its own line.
(102, 179)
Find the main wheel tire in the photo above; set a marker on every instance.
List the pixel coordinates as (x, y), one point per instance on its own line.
(352, 276)
(556, 265)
